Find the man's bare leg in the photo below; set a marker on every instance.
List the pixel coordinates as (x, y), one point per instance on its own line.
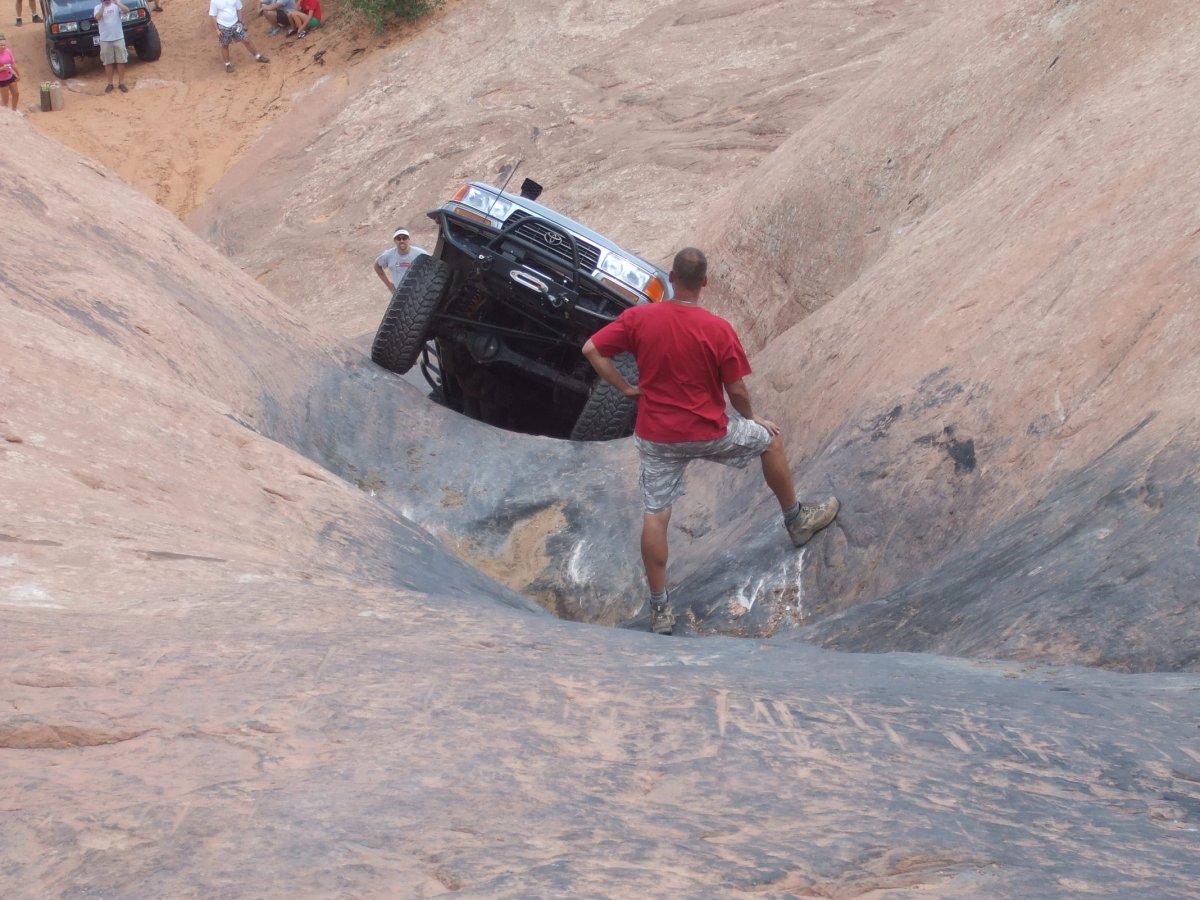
(654, 548)
(778, 474)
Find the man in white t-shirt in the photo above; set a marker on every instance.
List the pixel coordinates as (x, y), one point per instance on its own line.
(112, 41)
(231, 30)
(393, 263)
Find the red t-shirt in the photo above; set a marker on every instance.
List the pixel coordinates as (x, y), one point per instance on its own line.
(685, 356)
(313, 8)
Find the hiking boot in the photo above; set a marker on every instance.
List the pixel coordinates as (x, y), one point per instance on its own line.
(811, 519)
(662, 620)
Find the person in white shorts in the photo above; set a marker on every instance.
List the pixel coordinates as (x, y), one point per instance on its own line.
(112, 41)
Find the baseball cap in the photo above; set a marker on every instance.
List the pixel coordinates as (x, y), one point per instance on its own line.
(400, 232)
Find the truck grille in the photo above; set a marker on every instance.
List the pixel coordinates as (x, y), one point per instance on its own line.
(553, 240)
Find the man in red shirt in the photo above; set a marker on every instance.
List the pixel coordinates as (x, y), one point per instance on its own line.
(688, 360)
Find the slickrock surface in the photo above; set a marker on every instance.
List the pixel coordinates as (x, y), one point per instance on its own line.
(961, 242)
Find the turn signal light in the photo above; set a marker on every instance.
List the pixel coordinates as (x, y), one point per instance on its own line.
(620, 288)
(468, 213)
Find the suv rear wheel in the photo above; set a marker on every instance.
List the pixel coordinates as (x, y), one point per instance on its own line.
(405, 325)
(62, 63)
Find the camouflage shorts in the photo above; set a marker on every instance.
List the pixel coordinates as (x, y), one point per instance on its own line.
(663, 464)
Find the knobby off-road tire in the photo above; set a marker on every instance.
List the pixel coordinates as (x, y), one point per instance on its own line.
(405, 325)
(608, 414)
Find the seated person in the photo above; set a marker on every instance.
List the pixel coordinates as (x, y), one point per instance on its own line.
(277, 12)
(304, 19)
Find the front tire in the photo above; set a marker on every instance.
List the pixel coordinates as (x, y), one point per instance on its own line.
(148, 46)
(608, 414)
(62, 62)
(405, 326)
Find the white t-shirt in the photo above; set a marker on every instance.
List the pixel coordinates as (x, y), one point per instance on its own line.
(111, 28)
(225, 11)
(396, 264)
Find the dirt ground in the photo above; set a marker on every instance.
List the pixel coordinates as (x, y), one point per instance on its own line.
(185, 120)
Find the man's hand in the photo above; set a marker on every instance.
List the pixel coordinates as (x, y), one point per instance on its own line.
(739, 399)
(771, 427)
(382, 273)
(608, 370)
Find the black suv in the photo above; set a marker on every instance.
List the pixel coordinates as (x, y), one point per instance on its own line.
(497, 315)
(71, 32)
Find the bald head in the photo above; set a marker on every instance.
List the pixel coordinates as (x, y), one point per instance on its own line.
(690, 268)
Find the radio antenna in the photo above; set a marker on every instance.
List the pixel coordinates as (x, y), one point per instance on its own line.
(505, 185)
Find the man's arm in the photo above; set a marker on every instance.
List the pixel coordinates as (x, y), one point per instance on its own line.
(382, 273)
(608, 370)
(739, 399)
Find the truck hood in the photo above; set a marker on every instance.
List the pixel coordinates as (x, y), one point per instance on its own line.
(68, 10)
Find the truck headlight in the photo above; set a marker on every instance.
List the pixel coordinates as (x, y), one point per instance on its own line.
(493, 205)
(625, 271)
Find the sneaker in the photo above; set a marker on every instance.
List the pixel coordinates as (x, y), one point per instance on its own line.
(291, 31)
(275, 29)
(229, 67)
(36, 17)
(109, 89)
(303, 32)
(19, 22)
(812, 519)
(262, 58)
(662, 620)
(121, 87)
